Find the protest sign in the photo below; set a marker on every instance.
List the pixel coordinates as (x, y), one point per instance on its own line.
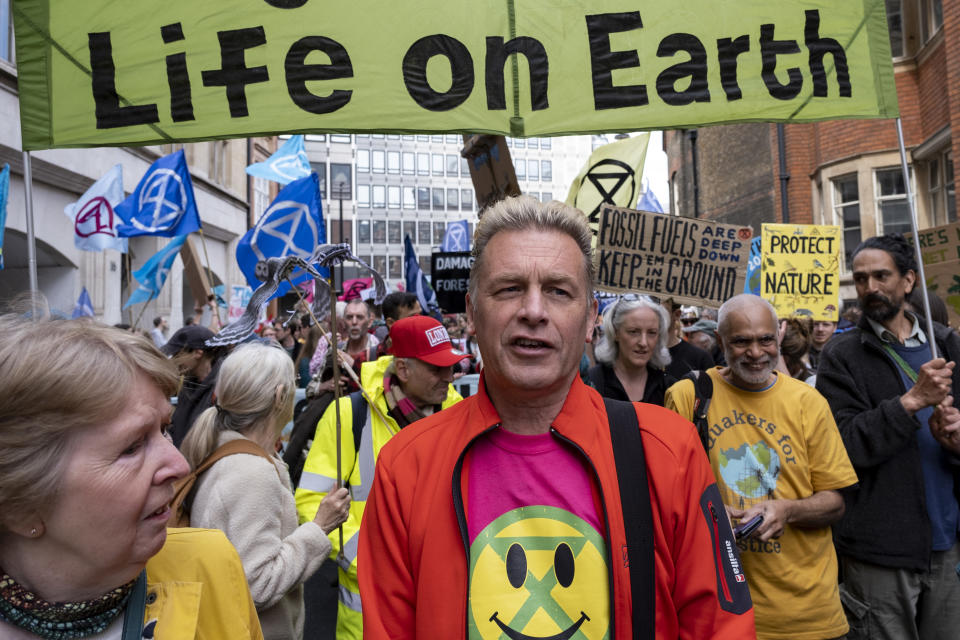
(102, 72)
(239, 299)
(940, 248)
(450, 277)
(800, 270)
(690, 260)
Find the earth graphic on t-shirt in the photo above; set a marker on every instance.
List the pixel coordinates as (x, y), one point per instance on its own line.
(750, 470)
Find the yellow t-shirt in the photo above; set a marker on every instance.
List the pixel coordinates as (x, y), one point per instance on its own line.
(780, 443)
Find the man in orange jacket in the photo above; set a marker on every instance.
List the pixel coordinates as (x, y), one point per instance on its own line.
(503, 515)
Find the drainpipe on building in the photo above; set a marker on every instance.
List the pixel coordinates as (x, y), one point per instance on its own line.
(784, 175)
(692, 135)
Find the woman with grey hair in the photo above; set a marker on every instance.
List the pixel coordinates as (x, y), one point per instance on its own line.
(87, 475)
(633, 352)
(249, 497)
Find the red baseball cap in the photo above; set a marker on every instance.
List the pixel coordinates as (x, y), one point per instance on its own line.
(423, 338)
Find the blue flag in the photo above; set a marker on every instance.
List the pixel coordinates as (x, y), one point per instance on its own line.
(153, 274)
(292, 225)
(84, 306)
(416, 282)
(457, 237)
(752, 283)
(163, 202)
(4, 191)
(649, 202)
(287, 164)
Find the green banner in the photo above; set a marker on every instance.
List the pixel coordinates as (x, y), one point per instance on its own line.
(102, 72)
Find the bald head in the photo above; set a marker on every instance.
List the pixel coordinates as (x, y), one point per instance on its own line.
(742, 303)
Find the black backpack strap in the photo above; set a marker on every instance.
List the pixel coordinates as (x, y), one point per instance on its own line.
(359, 407)
(637, 513)
(703, 386)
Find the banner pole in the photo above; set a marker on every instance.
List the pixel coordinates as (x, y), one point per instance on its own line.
(921, 276)
(216, 307)
(129, 261)
(142, 309)
(336, 393)
(31, 236)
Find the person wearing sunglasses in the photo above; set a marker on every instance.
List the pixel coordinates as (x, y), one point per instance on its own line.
(632, 352)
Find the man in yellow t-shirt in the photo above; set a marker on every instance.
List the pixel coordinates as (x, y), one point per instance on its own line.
(776, 452)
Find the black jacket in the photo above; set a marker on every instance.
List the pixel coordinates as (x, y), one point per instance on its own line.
(196, 396)
(603, 378)
(886, 520)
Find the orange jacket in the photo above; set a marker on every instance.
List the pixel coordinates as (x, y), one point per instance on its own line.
(413, 559)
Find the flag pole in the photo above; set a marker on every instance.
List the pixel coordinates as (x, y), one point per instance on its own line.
(142, 310)
(31, 236)
(921, 276)
(203, 241)
(129, 261)
(336, 392)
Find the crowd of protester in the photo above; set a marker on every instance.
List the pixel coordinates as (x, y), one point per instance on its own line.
(836, 442)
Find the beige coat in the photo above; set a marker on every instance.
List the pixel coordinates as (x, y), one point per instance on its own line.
(252, 503)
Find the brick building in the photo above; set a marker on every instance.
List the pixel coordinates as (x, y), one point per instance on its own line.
(844, 172)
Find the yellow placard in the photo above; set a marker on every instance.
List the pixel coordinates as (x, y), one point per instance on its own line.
(940, 249)
(800, 270)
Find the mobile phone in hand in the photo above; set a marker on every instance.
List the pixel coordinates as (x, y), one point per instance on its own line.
(744, 529)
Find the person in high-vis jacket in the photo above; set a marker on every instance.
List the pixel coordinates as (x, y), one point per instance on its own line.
(410, 384)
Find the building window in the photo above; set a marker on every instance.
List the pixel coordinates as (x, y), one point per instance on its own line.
(453, 199)
(310, 137)
(423, 164)
(519, 143)
(931, 18)
(6, 32)
(546, 196)
(261, 196)
(393, 162)
(546, 170)
(532, 143)
(520, 167)
(393, 232)
(546, 143)
(533, 170)
(534, 194)
(466, 199)
(439, 228)
(893, 212)
(379, 196)
(464, 167)
(453, 165)
(943, 199)
(437, 199)
(436, 138)
(393, 137)
(410, 229)
(423, 198)
(339, 137)
(423, 138)
(409, 138)
(380, 264)
(378, 161)
(363, 161)
(393, 197)
(320, 168)
(378, 136)
(363, 196)
(425, 265)
(423, 227)
(396, 267)
(341, 181)
(453, 139)
(409, 163)
(895, 25)
(438, 164)
(846, 213)
(363, 231)
(379, 232)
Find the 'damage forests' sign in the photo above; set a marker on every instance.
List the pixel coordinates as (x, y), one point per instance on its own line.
(690, 260)
(800, 270)
(450, 279)
(103, 72)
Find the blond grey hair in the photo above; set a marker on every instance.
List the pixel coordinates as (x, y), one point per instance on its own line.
(524, 212)
(256, 383)
(57, 376)
(738, 303)
(607, 350)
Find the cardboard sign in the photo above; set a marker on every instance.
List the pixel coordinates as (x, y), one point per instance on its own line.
(800, 270)
(940, 248)
(450, 277)
(690, 260)
(491, 169)
(103, 72)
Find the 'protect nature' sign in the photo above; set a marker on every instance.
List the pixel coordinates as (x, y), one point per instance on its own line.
(800, 270)
(102, 72)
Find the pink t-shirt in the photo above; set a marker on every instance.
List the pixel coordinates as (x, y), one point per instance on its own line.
(538, 559)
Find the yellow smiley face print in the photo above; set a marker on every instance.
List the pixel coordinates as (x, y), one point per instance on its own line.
(539, 573)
